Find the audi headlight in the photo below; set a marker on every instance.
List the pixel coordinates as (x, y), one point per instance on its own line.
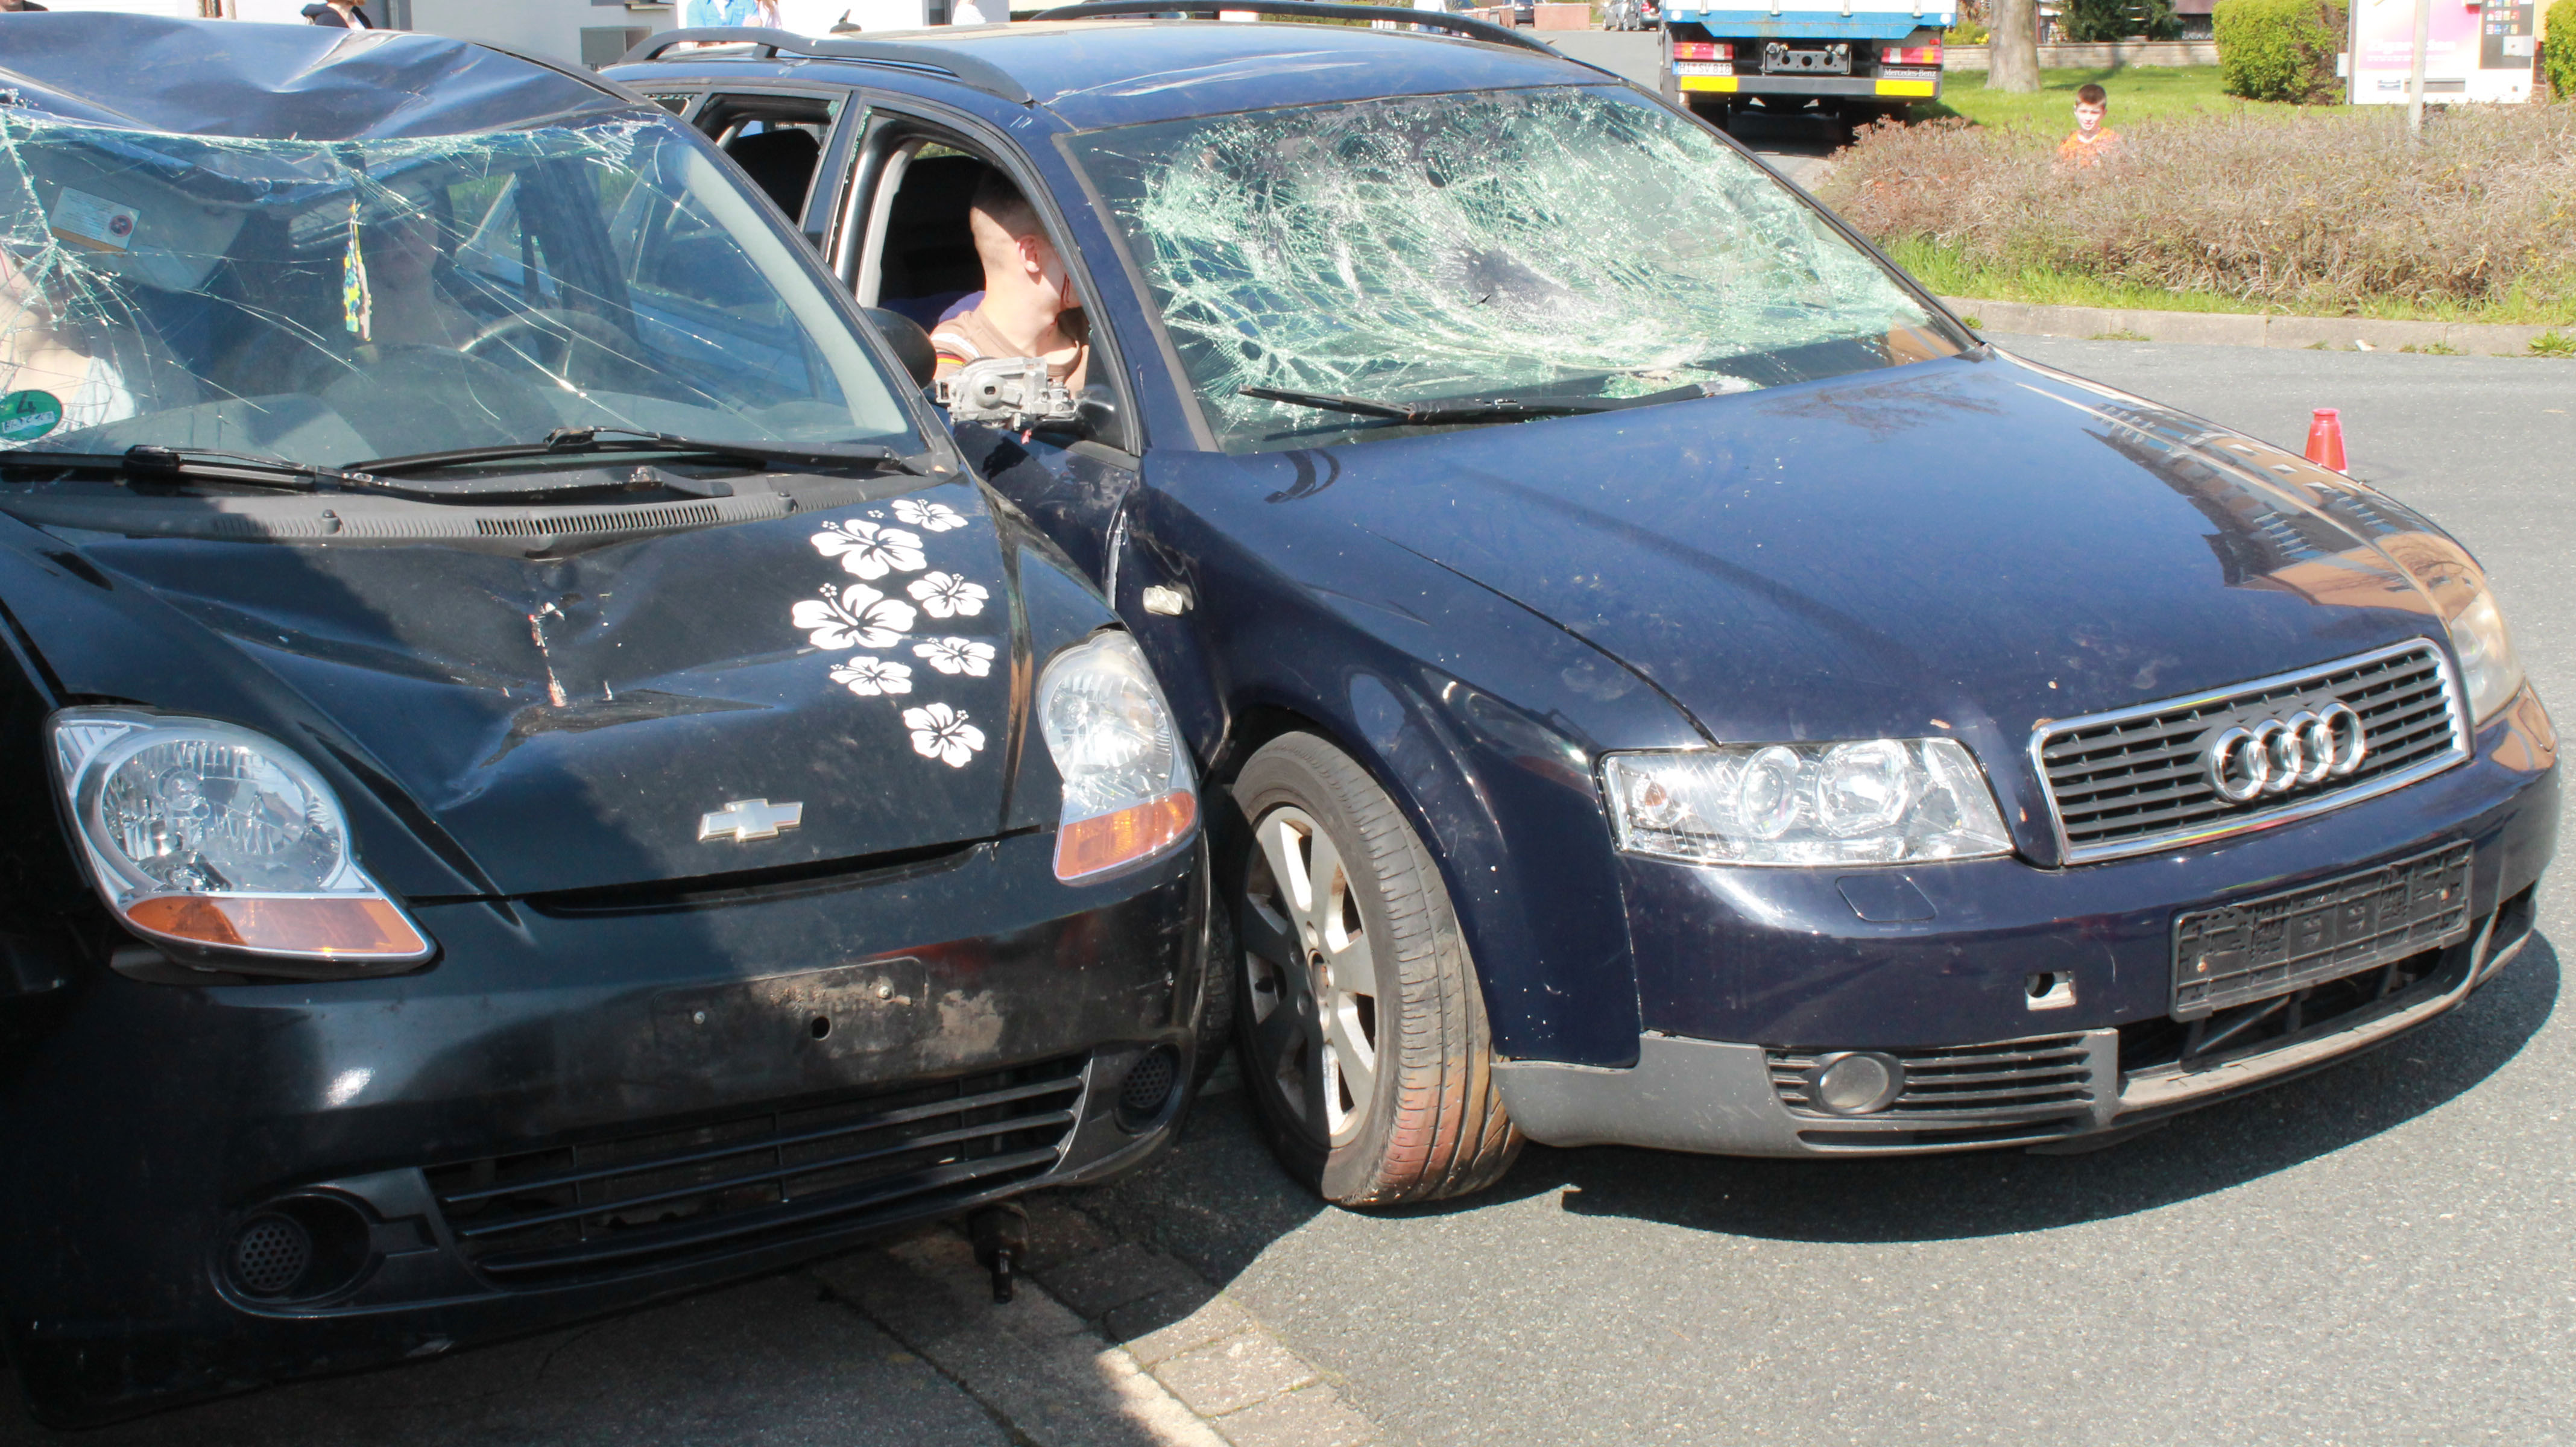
(1877, 801)
(202, 834)
(1129, 795)
(2488, 668)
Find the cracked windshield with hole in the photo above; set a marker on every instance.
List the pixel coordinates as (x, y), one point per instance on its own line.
(337, 302)
(1558, 246)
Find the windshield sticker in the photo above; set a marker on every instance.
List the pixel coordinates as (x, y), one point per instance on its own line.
(93, 221)
(26, 416)
(857, 616)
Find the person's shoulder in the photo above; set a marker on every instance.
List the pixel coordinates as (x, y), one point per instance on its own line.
(952, 343)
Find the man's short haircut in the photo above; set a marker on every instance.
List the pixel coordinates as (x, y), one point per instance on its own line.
(2090, 95)
(996, 197)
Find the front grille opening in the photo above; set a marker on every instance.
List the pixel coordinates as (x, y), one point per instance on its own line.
(2044, 1078)
(2132, 783)
(657, 1195)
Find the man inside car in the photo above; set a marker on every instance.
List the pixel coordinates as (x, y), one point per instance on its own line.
(1027, 308)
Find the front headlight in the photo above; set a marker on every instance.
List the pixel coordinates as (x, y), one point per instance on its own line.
(1878, 801)
(2488, 668)
(202, 834)
(1129, 795)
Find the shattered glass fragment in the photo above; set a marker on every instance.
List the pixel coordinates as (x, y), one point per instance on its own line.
(1541, 244)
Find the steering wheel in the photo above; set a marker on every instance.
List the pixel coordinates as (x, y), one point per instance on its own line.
(557, 335)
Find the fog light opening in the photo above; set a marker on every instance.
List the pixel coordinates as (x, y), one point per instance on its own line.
(298, 1248)
(1862, 1082)
(1147, 1091)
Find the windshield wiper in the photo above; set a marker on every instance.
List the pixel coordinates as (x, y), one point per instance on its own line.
(576, 441)
(148, 463)
(1444, 410)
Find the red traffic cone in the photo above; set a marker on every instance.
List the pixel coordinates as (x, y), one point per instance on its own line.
(2325, 439)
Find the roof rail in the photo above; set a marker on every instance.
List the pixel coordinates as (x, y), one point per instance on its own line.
(982, 74)
(1301, 10)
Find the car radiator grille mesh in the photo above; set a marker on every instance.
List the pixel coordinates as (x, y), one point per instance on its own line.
(642, 1198)
(2133, 781)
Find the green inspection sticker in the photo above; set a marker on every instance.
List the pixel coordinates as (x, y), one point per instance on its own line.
(26, 416)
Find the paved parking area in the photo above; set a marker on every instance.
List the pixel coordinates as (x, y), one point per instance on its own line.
(2383, 1254)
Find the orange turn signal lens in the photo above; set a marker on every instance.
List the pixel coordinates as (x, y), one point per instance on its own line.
(1103, 842)
(325, 927)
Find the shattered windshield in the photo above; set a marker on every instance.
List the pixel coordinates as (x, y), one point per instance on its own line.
(1541, 245)
(333, 302)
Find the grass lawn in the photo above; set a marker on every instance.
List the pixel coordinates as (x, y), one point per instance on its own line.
(2134, 91)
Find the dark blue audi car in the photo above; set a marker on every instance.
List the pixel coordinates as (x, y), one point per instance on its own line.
(1676, 684)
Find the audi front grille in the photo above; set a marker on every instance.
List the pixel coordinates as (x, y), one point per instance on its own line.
(2136, 780)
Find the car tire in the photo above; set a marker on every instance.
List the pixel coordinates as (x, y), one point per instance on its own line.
(1359, 1021)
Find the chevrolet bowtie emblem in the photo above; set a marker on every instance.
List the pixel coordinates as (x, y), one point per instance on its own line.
(745, 819)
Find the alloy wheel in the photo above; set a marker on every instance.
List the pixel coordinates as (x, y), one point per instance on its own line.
(1309, 961)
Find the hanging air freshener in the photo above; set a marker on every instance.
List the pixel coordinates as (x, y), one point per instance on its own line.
(355, 299)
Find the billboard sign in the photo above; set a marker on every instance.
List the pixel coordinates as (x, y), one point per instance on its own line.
(2476, 51)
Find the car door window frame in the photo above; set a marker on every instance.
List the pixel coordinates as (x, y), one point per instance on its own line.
(847, 112)
(899, 126)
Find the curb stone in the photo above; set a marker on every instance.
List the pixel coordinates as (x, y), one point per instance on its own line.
(1107, 1344)
(2246, 329)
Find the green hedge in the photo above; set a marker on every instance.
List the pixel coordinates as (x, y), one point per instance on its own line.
(2558, 53)
(2281, 49)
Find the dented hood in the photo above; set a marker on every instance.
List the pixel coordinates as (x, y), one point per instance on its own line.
(571, 722)
(1946, 545)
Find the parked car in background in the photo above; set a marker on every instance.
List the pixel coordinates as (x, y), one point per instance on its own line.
(537, 775)
(1673, 683)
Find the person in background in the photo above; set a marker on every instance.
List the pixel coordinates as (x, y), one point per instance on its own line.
(2092, 140)
(711, 14)
(1028, 308)
(8, 5)
(340, 15)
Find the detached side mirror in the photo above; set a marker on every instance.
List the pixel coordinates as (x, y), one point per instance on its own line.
(911, 344)
(1096, 415)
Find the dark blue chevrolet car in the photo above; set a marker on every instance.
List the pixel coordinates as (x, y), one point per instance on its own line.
(1676, 684)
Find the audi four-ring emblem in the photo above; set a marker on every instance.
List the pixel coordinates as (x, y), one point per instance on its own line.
(2280, 754)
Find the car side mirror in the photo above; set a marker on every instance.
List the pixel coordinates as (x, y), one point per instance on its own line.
(1096, 416)
(911, 344)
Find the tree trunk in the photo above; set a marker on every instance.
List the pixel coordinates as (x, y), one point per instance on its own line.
(2012, 46)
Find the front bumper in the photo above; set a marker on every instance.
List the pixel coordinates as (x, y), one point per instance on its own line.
(1747, 979)
(580, 1107)
(1728, 1099)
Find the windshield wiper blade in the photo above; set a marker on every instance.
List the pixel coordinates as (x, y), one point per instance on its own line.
(1443, 410)
(576, 441)
(149, 463)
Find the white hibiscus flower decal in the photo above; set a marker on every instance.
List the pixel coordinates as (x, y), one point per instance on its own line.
(945, 595)
(867, 677)
(942, 733)
(870, 551)
(930, 517)
(858, 617)
(957, 655)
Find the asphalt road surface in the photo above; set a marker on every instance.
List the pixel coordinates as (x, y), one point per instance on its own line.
(2385, 1253)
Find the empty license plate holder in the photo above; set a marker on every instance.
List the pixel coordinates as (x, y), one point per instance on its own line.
(2258, 948)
